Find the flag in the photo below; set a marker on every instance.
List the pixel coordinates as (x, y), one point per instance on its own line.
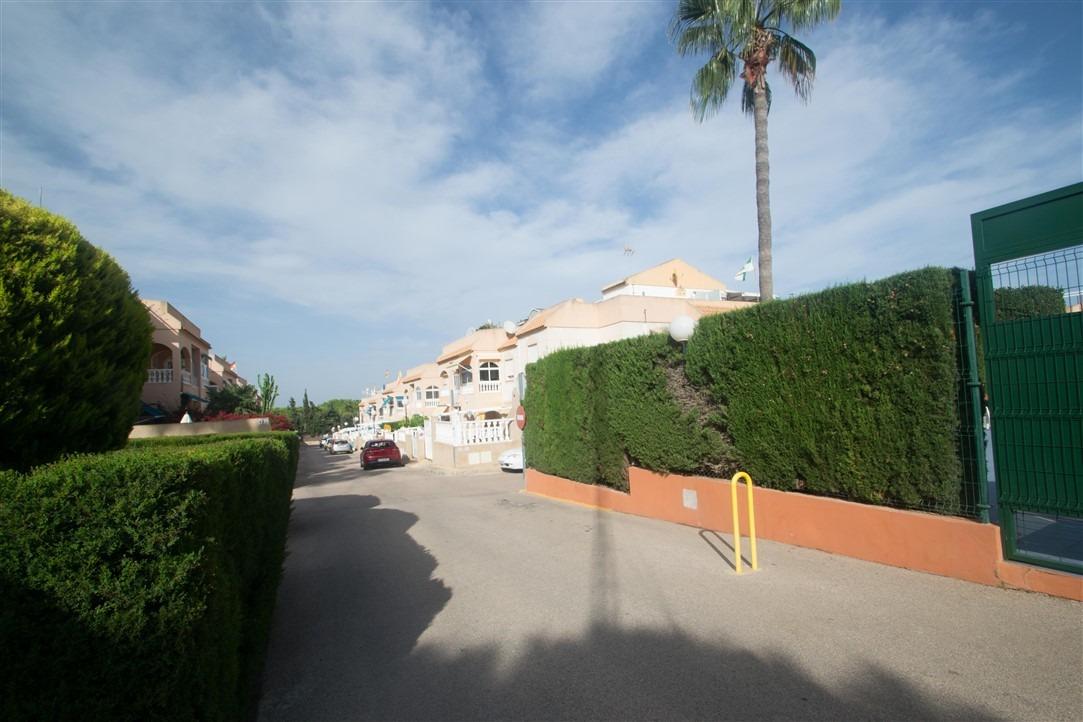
(745, 270)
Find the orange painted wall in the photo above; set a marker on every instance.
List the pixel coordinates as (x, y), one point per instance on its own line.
(947, 546)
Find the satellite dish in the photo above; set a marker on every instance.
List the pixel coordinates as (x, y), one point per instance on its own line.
(509, 328)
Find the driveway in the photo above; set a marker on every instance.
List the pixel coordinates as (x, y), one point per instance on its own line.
(411, 595)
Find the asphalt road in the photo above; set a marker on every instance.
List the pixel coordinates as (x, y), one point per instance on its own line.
(411, 595)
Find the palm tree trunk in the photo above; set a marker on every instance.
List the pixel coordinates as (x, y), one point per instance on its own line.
(763, 194)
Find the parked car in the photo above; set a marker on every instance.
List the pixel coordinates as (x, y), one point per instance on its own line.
(512, 460)
(341, 445)
(324, 441)
(380, 452)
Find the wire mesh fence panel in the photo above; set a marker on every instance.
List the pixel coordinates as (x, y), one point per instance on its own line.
(1029, 259)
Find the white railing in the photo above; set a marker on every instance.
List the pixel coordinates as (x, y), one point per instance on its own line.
(465, 389)
(186, 377)
(159, 376)
(489, 431)
(458, 432)
(432, 403)
(488, 387)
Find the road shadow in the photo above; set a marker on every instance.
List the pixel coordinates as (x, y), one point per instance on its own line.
(612, 673)
(356, 595)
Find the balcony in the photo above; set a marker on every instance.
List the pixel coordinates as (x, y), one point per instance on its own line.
(488, 387)
(186, 377)
(159, 376)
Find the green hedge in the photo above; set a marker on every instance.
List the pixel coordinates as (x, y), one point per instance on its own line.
(74, 341)
(848, 392)
(1012, 304)
(139, 584)
(594, 410)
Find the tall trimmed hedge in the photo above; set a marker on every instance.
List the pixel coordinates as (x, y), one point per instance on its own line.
(74, 341)
(1012, 304)
(594, 410)
(139, 584)
(848, 392)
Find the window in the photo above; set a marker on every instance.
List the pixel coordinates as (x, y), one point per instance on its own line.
(417, 393)
(489, 377)
(432, 396)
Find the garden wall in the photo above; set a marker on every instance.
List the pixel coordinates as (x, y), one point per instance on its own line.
(932, 543)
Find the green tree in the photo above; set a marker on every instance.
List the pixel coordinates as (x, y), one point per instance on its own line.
(293, 414)
(752, 34)
(234, 400)
(74, 341)
(268, 392)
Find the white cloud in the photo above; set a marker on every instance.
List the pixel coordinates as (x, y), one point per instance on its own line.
(364, 154)
(557, 50)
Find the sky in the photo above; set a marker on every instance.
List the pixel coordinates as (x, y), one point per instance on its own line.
(333, 191)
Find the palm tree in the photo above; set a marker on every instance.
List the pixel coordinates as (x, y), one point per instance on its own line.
(750, 33)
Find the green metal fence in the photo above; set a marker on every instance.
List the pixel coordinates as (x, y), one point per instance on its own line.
(970, 437)
(1028, 259)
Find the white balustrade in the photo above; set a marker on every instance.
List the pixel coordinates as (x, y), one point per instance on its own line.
(186, 377)
(487, 431)
(488, 387)
(159, 376)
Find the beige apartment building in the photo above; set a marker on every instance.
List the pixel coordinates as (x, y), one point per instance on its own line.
(182, 370)
(472, 388)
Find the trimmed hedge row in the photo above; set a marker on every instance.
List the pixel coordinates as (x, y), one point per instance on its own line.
(595, 410)
(848, 392)
(139, 584)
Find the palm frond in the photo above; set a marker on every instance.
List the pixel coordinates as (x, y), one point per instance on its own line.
(697, 39)
(797, 63)
(712, 83)
(732, 20)
(802, 14)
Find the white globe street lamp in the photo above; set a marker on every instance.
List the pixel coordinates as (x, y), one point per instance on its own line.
(681, 328)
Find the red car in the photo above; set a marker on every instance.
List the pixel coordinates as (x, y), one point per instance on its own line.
(380, 452)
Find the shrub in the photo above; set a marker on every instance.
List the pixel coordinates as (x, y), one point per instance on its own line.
(595, 410)
(415, 421)
(74, 341)
(139, 584)
(849, 392)
(1012, 304)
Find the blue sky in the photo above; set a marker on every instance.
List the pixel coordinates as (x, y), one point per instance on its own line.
(335, 190)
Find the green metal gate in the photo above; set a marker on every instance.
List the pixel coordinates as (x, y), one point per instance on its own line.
(1028, 259)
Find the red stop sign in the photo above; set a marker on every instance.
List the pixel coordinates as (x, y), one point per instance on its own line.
(520, 417)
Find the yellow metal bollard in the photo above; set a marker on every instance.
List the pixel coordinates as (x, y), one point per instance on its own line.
(737, 520)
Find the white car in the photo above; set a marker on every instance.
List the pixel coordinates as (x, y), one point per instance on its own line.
(341, 445)
(512, 460)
